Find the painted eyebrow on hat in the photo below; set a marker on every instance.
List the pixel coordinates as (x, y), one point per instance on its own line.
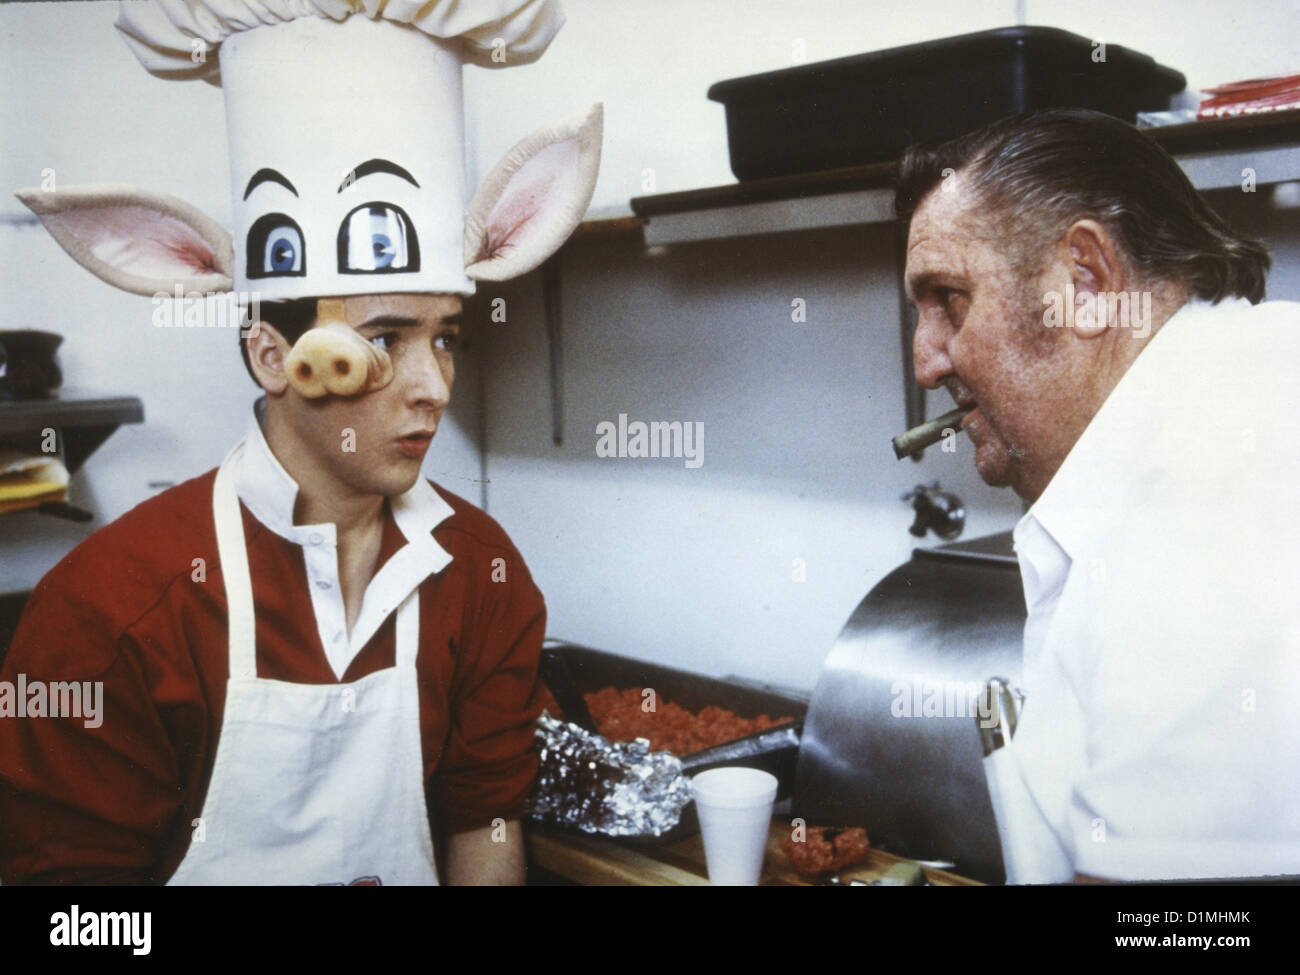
(371, 166)
(268, 176)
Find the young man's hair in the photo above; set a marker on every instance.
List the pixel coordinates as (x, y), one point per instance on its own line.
(1034, 174)
(289, 318)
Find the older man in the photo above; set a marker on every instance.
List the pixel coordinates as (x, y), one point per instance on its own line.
(1107, 329)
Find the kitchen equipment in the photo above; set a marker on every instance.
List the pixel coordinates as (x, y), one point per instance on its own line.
(891, 740)
(28, 367)
(869, 107)
(938, 511)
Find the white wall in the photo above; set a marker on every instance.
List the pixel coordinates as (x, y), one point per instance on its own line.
(697, 567)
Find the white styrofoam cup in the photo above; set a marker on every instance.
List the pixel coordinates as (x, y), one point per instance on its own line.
(734, 806)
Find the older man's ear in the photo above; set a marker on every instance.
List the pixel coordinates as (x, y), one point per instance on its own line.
(267, 352)
(1096, 269)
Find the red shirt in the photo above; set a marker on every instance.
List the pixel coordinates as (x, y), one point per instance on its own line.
(132, 608)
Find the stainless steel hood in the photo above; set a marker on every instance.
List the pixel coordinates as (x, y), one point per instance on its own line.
(891, 741)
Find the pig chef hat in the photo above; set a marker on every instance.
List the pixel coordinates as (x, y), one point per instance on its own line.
(346, 133)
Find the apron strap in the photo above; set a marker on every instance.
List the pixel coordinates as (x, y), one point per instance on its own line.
(233, 552)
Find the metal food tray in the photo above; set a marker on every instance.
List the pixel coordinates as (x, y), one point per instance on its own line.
(570, 670)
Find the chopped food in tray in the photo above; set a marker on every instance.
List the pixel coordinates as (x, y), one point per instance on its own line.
(622, 715)
(826, 849)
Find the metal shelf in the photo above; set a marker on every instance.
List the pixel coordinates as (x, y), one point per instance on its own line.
(85, 419)
(1213, 153)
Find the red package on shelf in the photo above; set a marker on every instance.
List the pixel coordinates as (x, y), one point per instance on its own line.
(1250, 96)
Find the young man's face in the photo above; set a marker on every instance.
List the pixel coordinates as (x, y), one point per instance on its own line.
(374, 443)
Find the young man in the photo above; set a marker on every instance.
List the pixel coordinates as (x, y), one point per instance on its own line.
(316, 666)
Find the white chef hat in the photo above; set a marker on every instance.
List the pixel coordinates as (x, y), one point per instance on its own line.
(346, 134)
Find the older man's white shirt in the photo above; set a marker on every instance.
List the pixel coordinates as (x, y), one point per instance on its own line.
(1160, 735)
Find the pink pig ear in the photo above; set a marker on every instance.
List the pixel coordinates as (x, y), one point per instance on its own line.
(136, 240)
(533, 198)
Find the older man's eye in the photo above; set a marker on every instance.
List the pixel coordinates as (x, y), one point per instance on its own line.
(953, 303)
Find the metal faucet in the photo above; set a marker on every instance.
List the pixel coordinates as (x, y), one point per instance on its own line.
(939, 511)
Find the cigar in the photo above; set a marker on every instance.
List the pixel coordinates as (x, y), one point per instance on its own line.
(918, 438)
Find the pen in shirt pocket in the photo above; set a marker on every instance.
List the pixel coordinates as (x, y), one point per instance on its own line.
(997, 713)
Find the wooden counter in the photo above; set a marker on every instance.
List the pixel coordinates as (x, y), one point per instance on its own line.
(598, 862)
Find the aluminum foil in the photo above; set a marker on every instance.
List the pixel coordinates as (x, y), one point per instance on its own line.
(598, 786)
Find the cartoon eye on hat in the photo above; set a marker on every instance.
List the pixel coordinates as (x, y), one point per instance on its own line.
(275, 247)
(378, 238)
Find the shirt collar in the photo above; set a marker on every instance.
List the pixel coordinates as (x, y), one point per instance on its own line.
(269, 492)
(1043, 563)
(1120, 449)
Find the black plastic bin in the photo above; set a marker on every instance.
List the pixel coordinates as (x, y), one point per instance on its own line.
(869, 107)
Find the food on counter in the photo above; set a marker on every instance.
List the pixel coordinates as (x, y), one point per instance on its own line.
(623, 716)
(826, 849)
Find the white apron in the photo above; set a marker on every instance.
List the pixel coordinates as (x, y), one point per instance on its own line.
(1031, 851)
(313, 783)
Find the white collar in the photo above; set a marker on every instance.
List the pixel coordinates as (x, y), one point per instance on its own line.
(1122, 448)
(268, 491)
